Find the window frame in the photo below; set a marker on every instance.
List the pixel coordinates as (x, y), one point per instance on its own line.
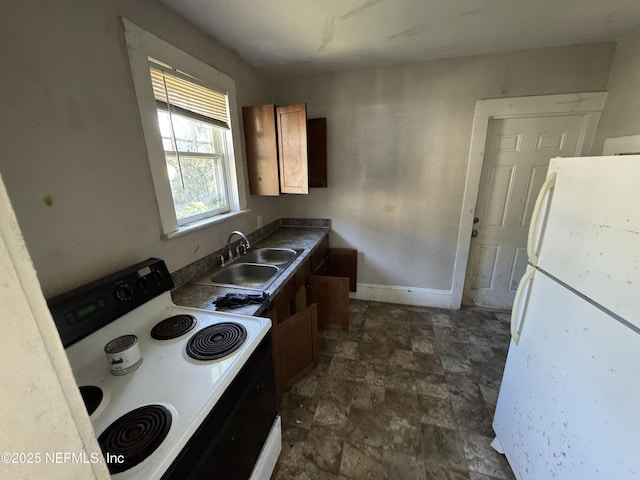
(140, 46)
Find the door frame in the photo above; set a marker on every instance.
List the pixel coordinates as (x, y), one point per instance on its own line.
(588, 105)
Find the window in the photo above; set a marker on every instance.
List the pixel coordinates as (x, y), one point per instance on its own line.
(196, 169)
(193, 125)
(187, 110)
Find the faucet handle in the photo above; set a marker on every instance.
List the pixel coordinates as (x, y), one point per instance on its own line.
(221, 258)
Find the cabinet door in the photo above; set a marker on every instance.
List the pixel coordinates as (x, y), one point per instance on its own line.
(297, 340)
(284, 301)
(331, 294)
(343, 262)
(292, 148)
(300, 279)
(317, 143)
(262, 151)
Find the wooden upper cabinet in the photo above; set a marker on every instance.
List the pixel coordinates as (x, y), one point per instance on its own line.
(292, 148)
(262, 151)
(286, 153)
(317, 150)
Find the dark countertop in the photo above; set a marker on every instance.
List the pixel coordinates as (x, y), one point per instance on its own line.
(202, 296)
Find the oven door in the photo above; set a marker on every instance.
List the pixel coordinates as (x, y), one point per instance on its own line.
(229, 441)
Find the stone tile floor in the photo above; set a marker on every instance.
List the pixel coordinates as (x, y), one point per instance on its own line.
(407, 393)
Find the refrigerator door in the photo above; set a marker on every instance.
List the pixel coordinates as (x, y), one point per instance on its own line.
(569, 402)
(586, 232)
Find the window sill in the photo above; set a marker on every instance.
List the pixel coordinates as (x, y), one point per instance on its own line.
(207, 222)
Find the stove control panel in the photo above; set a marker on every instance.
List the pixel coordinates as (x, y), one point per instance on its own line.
(85, 309)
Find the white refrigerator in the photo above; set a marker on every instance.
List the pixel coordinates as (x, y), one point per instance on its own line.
(569, 402)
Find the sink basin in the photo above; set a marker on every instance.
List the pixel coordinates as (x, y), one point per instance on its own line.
(255, 270)
(245, 275)
(271, 256)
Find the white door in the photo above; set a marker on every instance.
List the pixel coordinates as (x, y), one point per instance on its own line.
(516, 158)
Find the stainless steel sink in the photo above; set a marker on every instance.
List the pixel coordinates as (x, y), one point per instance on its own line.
(255, 270)
(251, 275)
(271, 256)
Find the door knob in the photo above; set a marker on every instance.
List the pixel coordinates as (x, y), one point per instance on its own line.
(476, 219)
(474, 233)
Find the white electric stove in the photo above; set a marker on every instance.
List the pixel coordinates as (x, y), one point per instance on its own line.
(202, 402)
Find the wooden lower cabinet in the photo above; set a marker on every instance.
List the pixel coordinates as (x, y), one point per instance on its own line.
(343, 262)
(297, 341)
(284, 303)
(311, 299)
(318, 258)
(295, 347)
(335, 262)
(331, 294)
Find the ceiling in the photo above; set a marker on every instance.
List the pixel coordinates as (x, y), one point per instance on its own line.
(293, 37)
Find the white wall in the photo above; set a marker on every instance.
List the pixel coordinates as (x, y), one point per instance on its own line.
(41, 411)
(71, 131)
(398, 145)
(621, 116)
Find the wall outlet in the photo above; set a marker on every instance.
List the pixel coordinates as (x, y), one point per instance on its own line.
(259, 221)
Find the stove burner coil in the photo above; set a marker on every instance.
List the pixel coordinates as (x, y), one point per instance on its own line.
(135, 436)
(173, 327)
(216, 341)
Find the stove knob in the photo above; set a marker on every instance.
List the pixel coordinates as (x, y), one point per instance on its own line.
(124, 292)
(156, 276)
(141, 283)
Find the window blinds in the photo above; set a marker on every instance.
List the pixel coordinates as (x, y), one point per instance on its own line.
(188, 98)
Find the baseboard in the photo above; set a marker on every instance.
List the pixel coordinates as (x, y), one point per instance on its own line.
(424, 297)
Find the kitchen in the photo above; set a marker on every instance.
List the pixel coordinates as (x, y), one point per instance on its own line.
(74, 136)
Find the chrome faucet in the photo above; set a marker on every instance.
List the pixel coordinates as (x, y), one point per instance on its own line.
(246, 243)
